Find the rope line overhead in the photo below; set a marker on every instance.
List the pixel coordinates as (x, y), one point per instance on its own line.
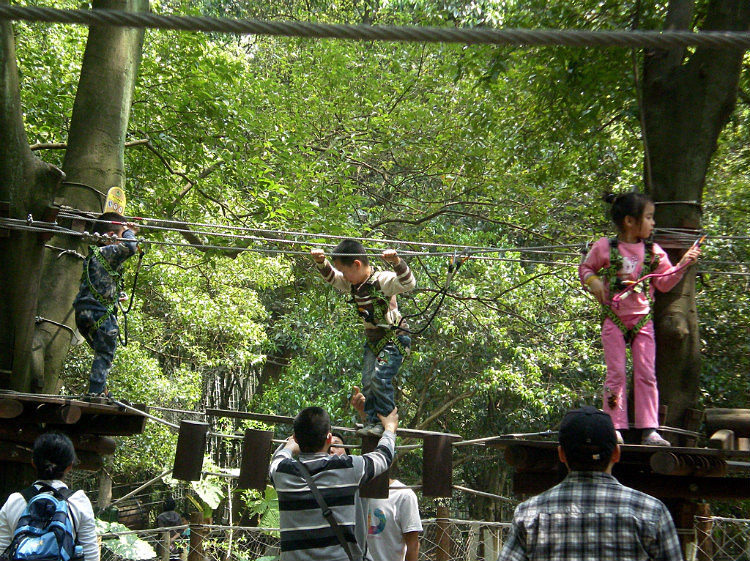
(479, 254)
(530, 37)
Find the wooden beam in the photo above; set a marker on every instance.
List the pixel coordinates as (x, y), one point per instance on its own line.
(10, 408)
(722, 439)
(27, 434)
(737, 420)
(12, 452)
(279, 419)
(659, 486)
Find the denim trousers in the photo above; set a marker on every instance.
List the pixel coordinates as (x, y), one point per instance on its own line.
(103, 341)
(377, 378)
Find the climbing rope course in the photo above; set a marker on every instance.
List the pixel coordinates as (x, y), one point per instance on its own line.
(290, 242)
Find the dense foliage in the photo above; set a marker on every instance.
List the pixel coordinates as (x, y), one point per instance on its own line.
(505, 148)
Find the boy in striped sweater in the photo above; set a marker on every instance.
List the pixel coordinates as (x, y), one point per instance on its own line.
(386, 335)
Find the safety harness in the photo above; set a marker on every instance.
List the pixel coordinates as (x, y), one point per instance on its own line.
(616, 285)
(109, 304)
(376, 315)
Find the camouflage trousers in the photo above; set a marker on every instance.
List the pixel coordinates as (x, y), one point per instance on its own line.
(103, 341)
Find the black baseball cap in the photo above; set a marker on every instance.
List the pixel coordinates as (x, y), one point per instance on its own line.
(587, 435)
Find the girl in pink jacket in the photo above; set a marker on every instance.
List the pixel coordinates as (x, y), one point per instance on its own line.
(612, 266)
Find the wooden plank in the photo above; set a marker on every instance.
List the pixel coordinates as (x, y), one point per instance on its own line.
(256, 459)
(280, 419)
(27, 434)
(722, 439)
(12, 452)
(191, 447)
(52, 413)
(437, 466)
(659, 486)
(10, 408)
(376, 488)
(737, 420)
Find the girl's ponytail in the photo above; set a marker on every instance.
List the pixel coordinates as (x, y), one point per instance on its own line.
(626, 204)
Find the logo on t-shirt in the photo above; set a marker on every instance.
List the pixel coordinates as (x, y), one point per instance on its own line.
(628, 265)
(380, 516)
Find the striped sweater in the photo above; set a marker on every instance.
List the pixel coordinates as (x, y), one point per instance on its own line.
(305, 533)
(369, 295)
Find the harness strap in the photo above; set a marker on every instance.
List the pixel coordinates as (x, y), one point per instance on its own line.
(650, 262)
(110, 305)
(628, 334)
(389, 337)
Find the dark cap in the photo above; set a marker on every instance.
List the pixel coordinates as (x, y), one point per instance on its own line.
(587, 435)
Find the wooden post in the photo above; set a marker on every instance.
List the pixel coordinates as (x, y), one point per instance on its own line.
(164, 545)
(197, 535)
(191, 447)
(703, 530)
(444, 542)
(256, 458)
(376, 488)
(437, 466)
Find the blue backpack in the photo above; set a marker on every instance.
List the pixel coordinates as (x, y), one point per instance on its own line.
(45, 529)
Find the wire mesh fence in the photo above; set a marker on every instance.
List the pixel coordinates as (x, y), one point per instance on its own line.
(716, 539)
(441, 540)
(722, 539)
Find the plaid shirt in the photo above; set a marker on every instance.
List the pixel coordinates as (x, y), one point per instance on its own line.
(591, 516)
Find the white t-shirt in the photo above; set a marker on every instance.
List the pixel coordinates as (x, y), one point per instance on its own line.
(80, 510)
(388, 520)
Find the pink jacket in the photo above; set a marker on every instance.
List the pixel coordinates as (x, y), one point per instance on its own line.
(634, 303)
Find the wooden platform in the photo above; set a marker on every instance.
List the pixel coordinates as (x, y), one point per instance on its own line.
(664, 472)
(89, 424)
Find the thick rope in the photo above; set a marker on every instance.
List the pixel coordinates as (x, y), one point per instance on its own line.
(573, 38)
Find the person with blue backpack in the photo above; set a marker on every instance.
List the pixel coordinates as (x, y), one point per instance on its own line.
(47, 521)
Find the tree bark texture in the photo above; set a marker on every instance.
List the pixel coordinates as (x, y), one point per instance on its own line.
(94, 162)
(27, 186)
(688, 97)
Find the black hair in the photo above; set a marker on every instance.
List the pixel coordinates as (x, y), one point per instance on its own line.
(626, 204)
(104, 223)
(311, 428)
(347, 251)
(169, 503)
(53, 454)
(336, 434)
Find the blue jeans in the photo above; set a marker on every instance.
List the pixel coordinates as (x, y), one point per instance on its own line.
(104, 343)
(377, 378)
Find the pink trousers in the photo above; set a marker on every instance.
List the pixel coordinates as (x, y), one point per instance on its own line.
(645, 390)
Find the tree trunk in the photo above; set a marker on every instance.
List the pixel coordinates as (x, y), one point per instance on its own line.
(27, 186)
(94, 162)
(687, 100)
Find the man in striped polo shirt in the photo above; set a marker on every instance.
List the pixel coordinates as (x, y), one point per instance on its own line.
(305, 533)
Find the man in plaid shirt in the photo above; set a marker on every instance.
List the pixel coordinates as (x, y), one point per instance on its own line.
(590, 515)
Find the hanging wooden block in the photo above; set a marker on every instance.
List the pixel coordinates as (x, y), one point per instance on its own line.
(256, 458)
(376, 488)
(191, 447)
(437, 466)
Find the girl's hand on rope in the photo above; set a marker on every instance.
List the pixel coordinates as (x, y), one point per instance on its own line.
(132, 226)
(691, 256)
(596, 287)
(391, 256)
(318, 255)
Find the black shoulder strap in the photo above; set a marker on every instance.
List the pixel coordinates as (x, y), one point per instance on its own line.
(327, 514)
(63, 493)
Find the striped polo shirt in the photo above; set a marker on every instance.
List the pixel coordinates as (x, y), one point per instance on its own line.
(305, 533)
